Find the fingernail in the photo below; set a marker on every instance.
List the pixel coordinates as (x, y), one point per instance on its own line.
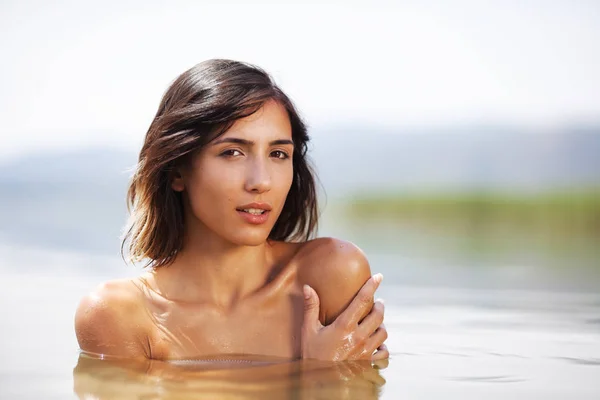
(306, 290)
(377, 278)
(380, 301)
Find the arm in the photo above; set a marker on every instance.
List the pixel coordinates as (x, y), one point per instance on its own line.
(336, 270)
(108, 322)
(354, 327)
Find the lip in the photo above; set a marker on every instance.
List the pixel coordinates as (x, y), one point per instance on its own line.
(259, 206)
(255, 219)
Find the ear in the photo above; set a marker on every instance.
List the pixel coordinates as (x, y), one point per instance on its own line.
(177, 183)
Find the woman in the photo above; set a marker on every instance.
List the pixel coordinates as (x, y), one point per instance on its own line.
(223, 204)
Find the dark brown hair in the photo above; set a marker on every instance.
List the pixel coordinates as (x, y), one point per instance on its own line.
(200, 105)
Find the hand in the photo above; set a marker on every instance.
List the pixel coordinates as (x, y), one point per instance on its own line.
(347, 338)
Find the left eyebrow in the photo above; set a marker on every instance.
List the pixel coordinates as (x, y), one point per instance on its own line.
(251, 143)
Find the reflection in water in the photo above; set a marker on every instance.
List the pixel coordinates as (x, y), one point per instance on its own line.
(237, 377)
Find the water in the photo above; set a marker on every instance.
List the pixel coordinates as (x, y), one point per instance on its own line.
(446, 340)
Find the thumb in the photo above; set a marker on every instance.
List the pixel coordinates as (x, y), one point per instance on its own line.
(311, 309)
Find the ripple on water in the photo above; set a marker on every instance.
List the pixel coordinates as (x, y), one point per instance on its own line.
(580, 361)
(489, 379)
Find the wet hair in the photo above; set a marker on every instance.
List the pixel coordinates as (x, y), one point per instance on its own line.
(199, 106)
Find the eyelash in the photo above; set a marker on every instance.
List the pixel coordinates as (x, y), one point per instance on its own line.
(285, 155)
(229, 153)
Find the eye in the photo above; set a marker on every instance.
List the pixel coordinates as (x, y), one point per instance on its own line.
(231, 153)
(282, 155)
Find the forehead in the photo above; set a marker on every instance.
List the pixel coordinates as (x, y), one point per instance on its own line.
(271, 121)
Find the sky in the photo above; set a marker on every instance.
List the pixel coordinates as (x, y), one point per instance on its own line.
(78, 73)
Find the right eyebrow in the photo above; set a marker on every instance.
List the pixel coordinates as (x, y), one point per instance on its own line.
(234, 140)
(247, 142)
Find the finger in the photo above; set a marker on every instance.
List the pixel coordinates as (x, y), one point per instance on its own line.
(381, 364)
(381, 359)
(372, 321)
(376, 340)
(382, 354)
(361, 304)
(311, 321)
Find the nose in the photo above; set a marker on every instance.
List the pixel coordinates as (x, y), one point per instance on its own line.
(258, 179)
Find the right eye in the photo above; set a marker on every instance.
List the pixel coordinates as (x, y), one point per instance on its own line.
(231, 153)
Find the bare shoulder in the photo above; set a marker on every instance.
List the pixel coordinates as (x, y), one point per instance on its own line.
(110, 320)
(336, 269)
(333, 258)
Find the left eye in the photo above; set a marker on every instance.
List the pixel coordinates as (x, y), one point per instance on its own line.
(279, 154)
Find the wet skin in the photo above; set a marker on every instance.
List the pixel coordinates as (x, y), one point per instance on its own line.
(230, 290)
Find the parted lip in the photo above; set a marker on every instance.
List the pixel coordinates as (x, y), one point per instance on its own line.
(258, 206)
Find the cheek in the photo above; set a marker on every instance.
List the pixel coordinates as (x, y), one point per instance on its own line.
(290, 178)
(211, 187)
(285, 178)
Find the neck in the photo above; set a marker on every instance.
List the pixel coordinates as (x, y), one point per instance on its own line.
(209, 269)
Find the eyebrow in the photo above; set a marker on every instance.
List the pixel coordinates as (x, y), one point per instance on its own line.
(250, 142)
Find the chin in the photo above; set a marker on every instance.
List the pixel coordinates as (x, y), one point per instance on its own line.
(250, 238)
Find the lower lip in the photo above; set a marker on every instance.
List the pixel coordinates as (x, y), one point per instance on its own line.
(255, 219)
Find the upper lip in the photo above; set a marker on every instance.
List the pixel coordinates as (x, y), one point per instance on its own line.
(258, 206)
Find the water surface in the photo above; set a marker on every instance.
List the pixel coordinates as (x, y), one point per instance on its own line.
(446, 341)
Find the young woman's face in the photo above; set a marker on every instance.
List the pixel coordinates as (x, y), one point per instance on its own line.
(236, 186)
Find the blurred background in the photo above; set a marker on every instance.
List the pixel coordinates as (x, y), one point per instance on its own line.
(456, 134)
(457, 142)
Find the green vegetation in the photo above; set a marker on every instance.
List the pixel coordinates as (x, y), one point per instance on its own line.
(563, 227)
(567, 212)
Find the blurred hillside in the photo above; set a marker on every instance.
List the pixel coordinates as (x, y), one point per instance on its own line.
(461, 159)
(77, 199)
